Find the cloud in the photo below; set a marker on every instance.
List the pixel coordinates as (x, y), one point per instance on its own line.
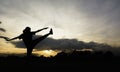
(2, 29)
(51, 43)
(96, 20)
(68, 44)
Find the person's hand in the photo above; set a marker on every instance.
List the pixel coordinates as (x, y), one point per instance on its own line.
(7, 39)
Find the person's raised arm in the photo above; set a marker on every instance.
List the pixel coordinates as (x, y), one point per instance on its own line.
(40, 29)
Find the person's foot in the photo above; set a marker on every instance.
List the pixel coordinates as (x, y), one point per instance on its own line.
(51, 31)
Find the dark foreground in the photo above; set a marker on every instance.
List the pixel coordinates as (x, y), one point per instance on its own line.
(76, 61)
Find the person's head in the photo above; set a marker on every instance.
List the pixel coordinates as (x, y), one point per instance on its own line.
(27, 29)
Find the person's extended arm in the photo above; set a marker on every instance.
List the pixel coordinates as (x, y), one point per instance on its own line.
(18, 37)
(13, 38)
(41, 29)
(8, 39)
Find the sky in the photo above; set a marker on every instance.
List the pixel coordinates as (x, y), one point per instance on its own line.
(71, 20)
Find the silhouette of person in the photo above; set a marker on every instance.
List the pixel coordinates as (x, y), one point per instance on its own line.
(27, 36)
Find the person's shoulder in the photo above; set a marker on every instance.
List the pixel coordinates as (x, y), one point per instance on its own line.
(32, 32)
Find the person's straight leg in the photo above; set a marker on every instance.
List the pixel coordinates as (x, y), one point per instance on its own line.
(36, 41)
(29, 52)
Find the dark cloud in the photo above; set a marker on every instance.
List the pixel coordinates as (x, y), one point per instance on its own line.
(51, 43)
(68, 44)
(2, 29)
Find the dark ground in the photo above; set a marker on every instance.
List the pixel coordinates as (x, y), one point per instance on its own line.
(75, 61)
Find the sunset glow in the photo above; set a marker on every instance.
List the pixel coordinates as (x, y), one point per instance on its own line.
(46, 53)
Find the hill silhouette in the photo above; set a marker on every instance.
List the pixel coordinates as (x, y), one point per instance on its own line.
(73, 60)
